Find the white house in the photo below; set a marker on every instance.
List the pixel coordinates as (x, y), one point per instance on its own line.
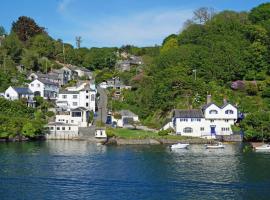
(126, 117)
(13, 93)
(58, 130)
(44, 88)
(78, 116)
(77, 97)
(209, 121)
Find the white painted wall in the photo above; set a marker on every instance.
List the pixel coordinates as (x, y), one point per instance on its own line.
(37, 86)
(222, 122)
(99, 133)
(57, 132)
(86, 99)
(68, 119)
(11, 94)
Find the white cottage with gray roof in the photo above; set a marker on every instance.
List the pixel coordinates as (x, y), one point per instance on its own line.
(209, 121)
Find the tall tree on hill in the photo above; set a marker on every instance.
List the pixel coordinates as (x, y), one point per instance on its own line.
(2, 31)
(26, 27)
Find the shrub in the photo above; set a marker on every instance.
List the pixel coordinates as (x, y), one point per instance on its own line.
(50, 114)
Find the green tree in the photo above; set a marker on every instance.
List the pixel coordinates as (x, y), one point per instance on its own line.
(260, 13)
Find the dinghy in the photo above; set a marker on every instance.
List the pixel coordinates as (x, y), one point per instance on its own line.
(264, 147)
(179, 146)
(215, 146)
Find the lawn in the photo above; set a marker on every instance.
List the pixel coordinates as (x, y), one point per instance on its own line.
(140, 134)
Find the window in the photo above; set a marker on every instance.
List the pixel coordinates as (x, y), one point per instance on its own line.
(87, 97)
(38, 85)
(183, 120)
(202, 128)
(212, 121)
(7, 95)
(32, 85)
(58, 128)
(226, 120)
(64, 96)
(69, 128)
(92, 97)
(225, 129)
(76, 114)
(87, 104)
(52, 128)
(72, 121)
(229, 112)
(75, 96)
(63, 128)
(188, 130)
(213, 112)
(86, 91)
(75, 104)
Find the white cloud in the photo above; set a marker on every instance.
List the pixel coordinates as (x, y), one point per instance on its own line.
(141, 29)
(63, 5)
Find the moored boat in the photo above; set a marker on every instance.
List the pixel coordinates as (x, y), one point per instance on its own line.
(264, 147)
(216, 146)
(179, 146)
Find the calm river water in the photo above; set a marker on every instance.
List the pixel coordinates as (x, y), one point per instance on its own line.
(79, 170)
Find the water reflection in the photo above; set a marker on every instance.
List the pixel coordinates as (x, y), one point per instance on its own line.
(80, 170)
(69, 148)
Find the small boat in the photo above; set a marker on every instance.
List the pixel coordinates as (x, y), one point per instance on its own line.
(179, 146)
(264, 147)
(215, 146)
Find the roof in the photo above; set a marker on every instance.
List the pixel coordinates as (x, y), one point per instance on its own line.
(68, 92)
(47, 82)
(79, 109)
(127, 113)
(207, 105)
(23, 91)
(193, 113)
(59, 124)
(221, 107)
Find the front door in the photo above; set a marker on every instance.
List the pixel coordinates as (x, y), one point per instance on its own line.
(213, 130)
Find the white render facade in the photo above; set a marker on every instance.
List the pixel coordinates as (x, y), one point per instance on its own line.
(62, 131)
(82, 96)
(78, 117)
(208, 122)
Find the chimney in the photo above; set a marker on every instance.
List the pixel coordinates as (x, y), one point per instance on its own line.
(225, 101)
(209, 99)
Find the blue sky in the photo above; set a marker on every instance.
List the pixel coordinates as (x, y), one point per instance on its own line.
(113, 22)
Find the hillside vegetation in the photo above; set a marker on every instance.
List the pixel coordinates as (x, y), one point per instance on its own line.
(219, 48)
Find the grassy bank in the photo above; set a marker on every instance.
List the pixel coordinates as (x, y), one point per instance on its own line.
(141, 134)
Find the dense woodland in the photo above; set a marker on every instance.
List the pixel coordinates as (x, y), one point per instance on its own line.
(212, 51)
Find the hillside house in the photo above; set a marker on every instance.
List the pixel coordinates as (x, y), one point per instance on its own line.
(44, 88)
(14, 93)
(210, 121)
(81, 96)
(126, 118)
(78, 116)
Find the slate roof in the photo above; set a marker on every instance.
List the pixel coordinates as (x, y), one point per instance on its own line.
(193, 113)
(60, 124)
(23, 91)
(79, 109)
(127, 113)
(68, 92)
(47, 82)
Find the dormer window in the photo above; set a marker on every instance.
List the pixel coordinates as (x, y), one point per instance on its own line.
(229, 112)
(213, 112)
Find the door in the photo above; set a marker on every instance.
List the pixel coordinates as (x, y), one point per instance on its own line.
(213, 130)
